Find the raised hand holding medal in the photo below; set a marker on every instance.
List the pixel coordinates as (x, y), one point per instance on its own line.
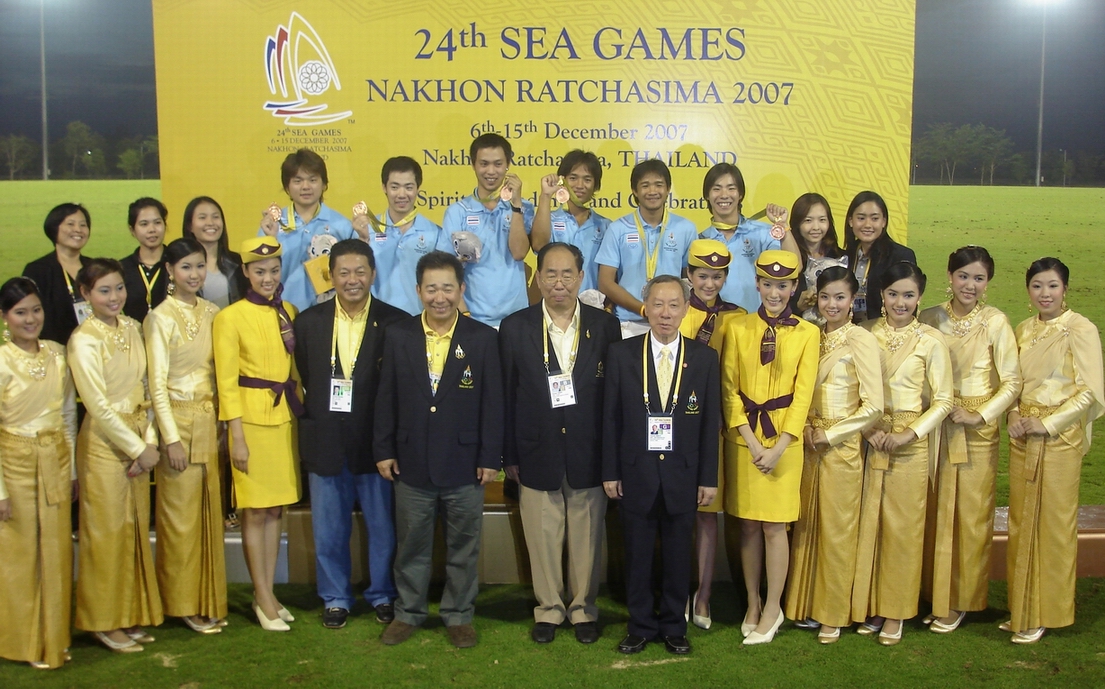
(363, 218)
(512, 188)
(562, 193)
(778, 217)
(271, 222)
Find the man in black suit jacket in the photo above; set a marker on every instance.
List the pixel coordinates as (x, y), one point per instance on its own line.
(553, 359)
(660, 449)
(439, 435)
(338, 345)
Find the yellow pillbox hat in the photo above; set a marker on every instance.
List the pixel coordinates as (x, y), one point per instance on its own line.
(776, 264)
(708, 253)
(260, 248)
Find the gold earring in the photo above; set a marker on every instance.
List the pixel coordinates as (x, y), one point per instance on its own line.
(884, 312)
(7, 335)
(171, 288)
(948, 291)
(1063, 306)
(982, 299)
(1030, 307)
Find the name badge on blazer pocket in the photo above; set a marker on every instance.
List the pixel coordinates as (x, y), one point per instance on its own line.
(466, 382)
(692, 404)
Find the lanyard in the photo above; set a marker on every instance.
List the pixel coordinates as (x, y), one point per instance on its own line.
(575, 346)
(678, 372)
(291, 216)
(724, 226)
(334, 344)
(69, 286)
(148, 282)
(651, 259)
(495, 196)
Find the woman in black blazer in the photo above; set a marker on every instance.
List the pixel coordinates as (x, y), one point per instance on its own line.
(870, 252)
(68, 226)
(204, 221)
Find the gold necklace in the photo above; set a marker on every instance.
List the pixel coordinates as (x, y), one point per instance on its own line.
(834, 340)
(1042, 329)
(191, 327)
(895, 337)
(961, 327)
(116, 335)
(34, 364)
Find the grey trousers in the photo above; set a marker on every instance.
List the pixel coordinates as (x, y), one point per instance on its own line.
(416, 512)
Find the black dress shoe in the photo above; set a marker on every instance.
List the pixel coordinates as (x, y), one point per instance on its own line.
(385, 613)
(543, 632)
(334, 618)
(632, 644)
(587, 632)
(677, 645)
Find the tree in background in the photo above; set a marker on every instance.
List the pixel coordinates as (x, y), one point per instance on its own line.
(83, 148)
(949, 146)
(18, 153)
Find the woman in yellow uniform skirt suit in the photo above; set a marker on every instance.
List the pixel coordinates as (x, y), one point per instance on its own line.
(254, 342)
(707, 267)
(901, 459)
(38, 426)
(116, 448)
(767, 378)
(847, 400)
(1050, 431)
(987, 380)
(191, 571)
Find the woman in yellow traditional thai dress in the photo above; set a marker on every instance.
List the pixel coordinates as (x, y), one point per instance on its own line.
(901, 458)
(847, 400)
(767, 378)
(987, 380)
(707, 267)
(191, 571)
(1049, 432)
(254, 342)
(38, 426)
(116, 448)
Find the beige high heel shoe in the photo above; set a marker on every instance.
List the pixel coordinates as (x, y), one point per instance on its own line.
(277, 625)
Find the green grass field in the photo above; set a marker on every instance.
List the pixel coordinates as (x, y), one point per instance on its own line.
(311, 656)
(1016, 224)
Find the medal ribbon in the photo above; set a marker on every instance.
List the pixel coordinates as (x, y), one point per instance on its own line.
(651, 259)
(495, 195)
(291, 216)
(678, 373)
(723, 225)
(386, 218)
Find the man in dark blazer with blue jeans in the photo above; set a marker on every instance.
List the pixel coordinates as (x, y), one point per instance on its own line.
(553, 371)
(439, 436)
(660, 452)
(335, 439)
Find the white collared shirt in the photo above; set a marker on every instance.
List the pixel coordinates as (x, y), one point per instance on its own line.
(657, 346)
(562, 340)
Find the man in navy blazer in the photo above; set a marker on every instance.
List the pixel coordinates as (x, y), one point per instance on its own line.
(553, 370)
(660, 451)
(340, 377)
(438, 435)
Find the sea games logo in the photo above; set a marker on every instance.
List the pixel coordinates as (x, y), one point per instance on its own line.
(297, 62)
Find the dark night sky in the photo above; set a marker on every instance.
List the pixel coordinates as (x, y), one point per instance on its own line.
(977, 61)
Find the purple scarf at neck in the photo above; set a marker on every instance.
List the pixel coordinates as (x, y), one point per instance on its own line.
(706, 330)
(287, 334)
(767, 342)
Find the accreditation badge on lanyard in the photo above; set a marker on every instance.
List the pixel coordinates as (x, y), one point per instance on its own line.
(660, 428)
(562, 390)
(81, 308)
(341, 389)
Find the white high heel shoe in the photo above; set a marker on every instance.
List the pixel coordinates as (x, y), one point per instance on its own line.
(756, 638)
(700, 621)
(268, 625)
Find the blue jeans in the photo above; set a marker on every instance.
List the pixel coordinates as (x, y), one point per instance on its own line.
(332, 500)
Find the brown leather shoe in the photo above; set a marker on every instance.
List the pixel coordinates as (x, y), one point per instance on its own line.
(396, 633)
(462, 635)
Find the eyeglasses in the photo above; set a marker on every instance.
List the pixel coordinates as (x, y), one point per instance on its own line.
(566, 280)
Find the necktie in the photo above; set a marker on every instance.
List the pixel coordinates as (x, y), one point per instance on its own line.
(663, 375)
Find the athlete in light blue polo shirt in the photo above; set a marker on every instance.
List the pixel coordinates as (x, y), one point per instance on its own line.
(578, 178)
(723, 188)
(407, 236)
(303, 175)
(497, 214)
(643, 244)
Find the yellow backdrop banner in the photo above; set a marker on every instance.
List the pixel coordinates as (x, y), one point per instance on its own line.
(801, 95)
